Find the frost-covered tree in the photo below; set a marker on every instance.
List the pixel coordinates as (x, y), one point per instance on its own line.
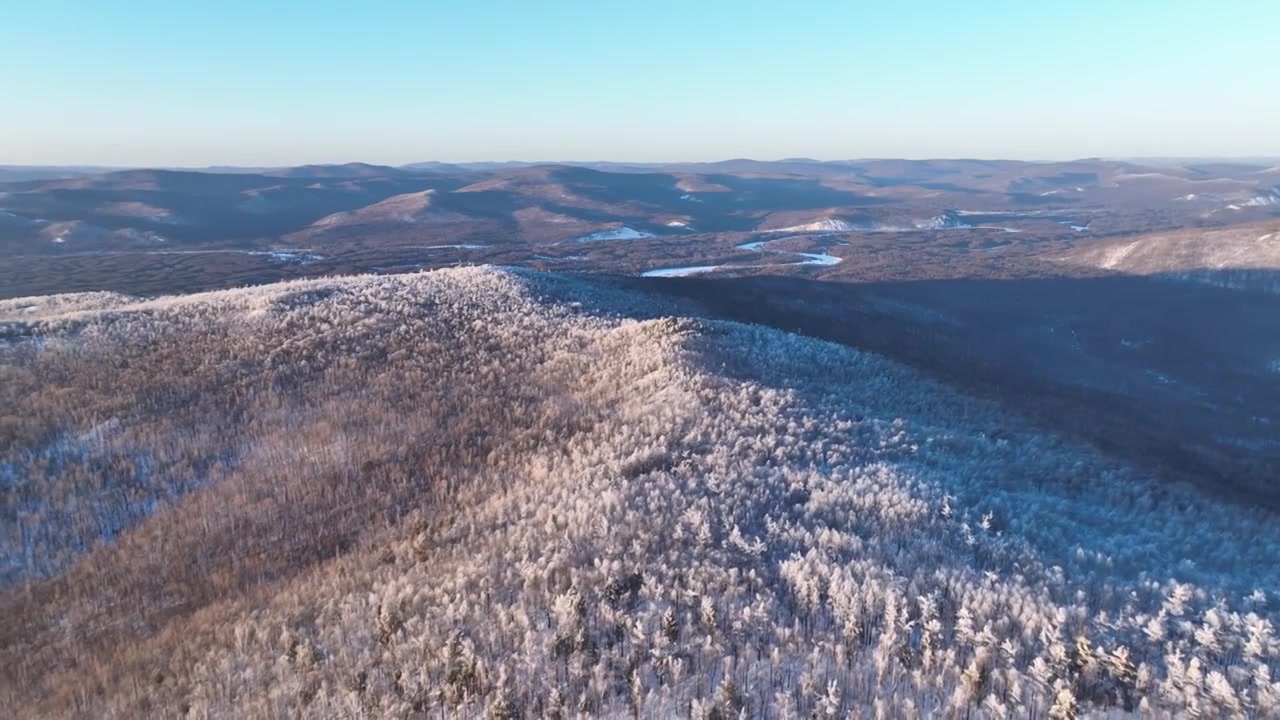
(492, 493)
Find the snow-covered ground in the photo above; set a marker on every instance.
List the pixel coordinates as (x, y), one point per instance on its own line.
(451, 247)
(1184, 251)
(825, 225)
(816, 259)
(946, 221)
(681, 271)
(758, 246)
(622, 233)
(809, 531)
(291, 256)
(1262, 201)
(950, 220)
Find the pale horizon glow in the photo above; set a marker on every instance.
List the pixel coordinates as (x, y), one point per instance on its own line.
(143, 83)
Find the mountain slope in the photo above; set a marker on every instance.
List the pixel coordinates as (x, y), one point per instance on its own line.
(1233, 248)
(481, 491)
(396, 211)
(1245, 256)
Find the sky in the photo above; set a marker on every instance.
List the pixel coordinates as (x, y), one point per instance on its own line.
(279, 82)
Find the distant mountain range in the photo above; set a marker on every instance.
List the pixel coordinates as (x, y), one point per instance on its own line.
(87, 209)
(680, 218)
(11, 173)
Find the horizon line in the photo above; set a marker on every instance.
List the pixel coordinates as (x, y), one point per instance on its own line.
(644, 163)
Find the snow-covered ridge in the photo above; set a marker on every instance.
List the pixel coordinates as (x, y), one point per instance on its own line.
(825, 225)
(945, 221)
(813, 532)
(1186, 252)
(1269, 198)
(333, 218)
(1262, 201)
(948, 220)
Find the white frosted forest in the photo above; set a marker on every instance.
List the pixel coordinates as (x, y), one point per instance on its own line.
(495, 493)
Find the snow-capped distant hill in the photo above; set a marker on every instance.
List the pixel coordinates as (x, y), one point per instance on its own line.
(411, 208)
(825, 225)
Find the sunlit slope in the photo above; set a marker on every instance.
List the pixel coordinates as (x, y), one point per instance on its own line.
(1244, 247)
(483, 492)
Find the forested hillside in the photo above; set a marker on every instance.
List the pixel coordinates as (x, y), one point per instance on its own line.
(496, 493)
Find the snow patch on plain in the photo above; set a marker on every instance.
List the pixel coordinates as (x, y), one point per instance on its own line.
(622, 233)
(817, 259)
(809, 258)
(680, 271)
(451, 247)
(289, 256)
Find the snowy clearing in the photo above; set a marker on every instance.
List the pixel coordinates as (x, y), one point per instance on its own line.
(680, 271)
(622, 233)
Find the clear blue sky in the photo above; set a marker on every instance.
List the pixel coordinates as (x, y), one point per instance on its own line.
(266, 82)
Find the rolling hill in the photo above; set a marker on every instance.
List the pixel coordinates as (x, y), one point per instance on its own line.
(1245, 256)
(498, 492)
